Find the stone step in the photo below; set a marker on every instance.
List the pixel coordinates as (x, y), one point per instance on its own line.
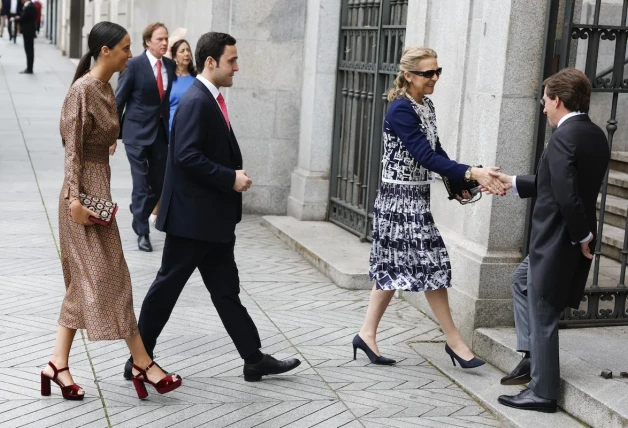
(612, 241)
(483, 384)
(335, 252)
(619, 161)
(618, 184)
(615, 210)
(584, 393)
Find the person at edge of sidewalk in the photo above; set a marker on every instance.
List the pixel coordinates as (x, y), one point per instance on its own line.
(28, 26)
(11, 9)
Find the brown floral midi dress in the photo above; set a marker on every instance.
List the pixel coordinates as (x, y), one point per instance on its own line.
(98, 285)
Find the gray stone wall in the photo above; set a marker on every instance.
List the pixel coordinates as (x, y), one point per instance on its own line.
(265, 101)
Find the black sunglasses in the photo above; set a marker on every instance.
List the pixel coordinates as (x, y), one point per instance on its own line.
(428, 73)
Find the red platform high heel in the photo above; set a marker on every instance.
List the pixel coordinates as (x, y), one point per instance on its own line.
(163, 386)
(69, 392)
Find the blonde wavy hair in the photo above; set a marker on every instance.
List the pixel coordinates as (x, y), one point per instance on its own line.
(409, 61)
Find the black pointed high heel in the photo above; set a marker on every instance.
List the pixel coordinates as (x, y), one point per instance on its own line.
(471, 364)
(380, 360)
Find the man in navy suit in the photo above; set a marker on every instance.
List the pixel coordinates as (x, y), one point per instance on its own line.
(200, 207)
(143, 107)
(27, 18)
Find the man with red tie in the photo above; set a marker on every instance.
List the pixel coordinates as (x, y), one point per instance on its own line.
(142, 96)
(200, 207)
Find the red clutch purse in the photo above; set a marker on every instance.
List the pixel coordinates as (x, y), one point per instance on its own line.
(104, 210)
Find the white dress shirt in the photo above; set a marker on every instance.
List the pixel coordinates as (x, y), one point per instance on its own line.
(560, 122)
(213, 89)
(164, 73)
(13, 9)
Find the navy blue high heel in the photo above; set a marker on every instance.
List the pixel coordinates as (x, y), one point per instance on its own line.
(471, 364)
(359, 343)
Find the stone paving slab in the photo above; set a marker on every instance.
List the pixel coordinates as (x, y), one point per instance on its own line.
(298, 311)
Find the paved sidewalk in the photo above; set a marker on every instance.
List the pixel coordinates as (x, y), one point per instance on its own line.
(299, 313)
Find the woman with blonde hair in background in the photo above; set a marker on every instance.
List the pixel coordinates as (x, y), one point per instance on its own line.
(408, 252)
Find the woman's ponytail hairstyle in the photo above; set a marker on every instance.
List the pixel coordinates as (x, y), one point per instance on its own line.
(104, 33)
(409, 61)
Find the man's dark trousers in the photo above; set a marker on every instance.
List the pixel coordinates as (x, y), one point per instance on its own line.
(29, 48)
(148, 168)
(12, 26)
(216, 263)
(536, 323)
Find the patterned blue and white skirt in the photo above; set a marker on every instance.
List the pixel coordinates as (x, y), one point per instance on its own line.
(408, 252)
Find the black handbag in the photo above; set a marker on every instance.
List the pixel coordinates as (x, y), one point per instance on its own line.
(456, 187)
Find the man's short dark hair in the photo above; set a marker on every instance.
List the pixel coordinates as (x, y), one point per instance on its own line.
(211, 44)
(147, 34)
(572, 87)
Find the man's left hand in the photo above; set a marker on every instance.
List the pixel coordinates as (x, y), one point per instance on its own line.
(586, 251)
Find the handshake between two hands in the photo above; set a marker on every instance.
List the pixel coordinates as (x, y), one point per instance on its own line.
(491, 181)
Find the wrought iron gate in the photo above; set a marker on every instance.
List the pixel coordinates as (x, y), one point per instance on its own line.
(372, 35)
(593, 38)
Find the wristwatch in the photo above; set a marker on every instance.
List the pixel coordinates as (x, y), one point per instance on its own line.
(467, 174)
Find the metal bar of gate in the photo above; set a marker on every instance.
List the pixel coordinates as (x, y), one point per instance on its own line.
(374, 137)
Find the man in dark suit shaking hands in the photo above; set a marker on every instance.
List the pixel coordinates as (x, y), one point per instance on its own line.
(142, 96)
(200, 207)
(554, 275)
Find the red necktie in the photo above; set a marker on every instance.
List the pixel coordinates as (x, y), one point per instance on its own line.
(160, 81)
(223, 108)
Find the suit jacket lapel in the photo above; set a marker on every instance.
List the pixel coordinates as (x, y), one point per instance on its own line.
(150, 73)
(234, 145)
(170, 71)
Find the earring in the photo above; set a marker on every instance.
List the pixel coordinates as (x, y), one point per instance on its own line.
(176, 62)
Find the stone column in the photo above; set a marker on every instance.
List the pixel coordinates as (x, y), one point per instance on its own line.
(491, 54)
(309, 192)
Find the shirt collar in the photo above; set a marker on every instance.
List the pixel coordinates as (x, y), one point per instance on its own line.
(213, 89)
(151, 58)
(567, 116)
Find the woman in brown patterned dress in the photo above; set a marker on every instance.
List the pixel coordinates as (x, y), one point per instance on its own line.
(98, 285)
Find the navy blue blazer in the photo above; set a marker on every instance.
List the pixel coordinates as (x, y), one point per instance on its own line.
(198, 200)
(139, 108)
(403, 124)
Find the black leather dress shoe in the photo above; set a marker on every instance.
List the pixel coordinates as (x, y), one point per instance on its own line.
(528, 400)
(520, 375)
(26, 72)
(268, 365)
(143, 243)
(128, 369)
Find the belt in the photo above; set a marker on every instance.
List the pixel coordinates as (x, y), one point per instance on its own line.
(411, 183)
